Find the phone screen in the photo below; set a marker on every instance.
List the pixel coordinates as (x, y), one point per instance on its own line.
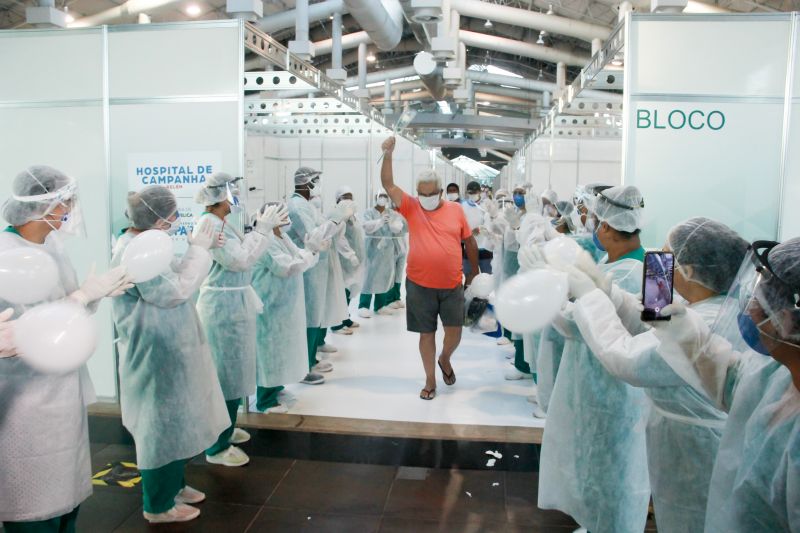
(657, 284)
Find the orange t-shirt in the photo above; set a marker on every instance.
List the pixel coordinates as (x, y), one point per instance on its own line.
(434, 251)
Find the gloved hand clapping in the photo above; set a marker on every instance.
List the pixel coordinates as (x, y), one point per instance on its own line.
(113, 283)
(7, 348)
(203, 235)
(396, 226)
(513, 217)
(491, 208)
(580, 284)
(353, 260)
(343, 210)
(273, 216)
(220, 241)
(585, 263)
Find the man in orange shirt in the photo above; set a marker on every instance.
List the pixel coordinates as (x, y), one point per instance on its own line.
(436, 230)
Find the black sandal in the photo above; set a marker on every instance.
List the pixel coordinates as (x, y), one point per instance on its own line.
(449, 379)
(430, 394)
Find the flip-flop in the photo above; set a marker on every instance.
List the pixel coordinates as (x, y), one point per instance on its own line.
(449, 379)
(430, 394)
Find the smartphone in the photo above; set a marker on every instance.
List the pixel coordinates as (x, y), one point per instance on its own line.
(657, 284)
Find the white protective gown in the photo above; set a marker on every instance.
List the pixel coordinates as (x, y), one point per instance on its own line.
(45, 467)
(380, 274)
(349, 243)
(282, 350)
(324, 286)
(684, 427)
(593, 458)
(400, 247)
(170, 395)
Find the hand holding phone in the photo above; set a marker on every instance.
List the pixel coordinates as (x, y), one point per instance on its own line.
(657, 288)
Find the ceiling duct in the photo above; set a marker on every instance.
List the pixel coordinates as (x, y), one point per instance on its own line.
(430, 72)
(381, 19)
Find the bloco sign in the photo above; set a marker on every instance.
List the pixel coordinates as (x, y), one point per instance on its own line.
(678, 119)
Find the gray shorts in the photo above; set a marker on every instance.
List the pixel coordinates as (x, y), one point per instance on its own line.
(424, 305)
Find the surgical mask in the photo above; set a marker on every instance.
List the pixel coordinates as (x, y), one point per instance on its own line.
(383, 202)
(519, 201)
(429, 203)
(750, 334)
(597, 242)
(236, 210)
(315, 189)
(576, 218)
(475, 197)
(174, 226)
(452, 196)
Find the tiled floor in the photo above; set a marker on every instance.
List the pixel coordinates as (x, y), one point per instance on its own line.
(280, 494)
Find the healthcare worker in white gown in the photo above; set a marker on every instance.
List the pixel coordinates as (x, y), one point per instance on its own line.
(749, 364)
(45, 472)
(593, 459)
(170, 396)
(228, 305)
(684, 428)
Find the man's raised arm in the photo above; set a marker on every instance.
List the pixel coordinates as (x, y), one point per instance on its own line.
(387, 178)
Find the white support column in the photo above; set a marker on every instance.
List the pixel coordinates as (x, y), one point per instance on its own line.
(597, 45)
(387, 97)
(561, 77)
(301, 46)
(336, 72)
(362, 91)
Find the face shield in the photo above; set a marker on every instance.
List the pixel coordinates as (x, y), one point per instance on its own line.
(62, 211)
(760, 309)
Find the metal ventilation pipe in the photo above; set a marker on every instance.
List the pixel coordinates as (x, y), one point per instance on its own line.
(351, 40)
(383, 75)
(510, 46)
(529, 19)
(430, 72)
(382, 20)
(286, 19)
(536, 85)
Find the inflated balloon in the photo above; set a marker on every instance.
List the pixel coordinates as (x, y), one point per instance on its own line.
(27, 275)
(148, 255)
(482, 285)
(56, 337)
(562, 251)
(529, 301)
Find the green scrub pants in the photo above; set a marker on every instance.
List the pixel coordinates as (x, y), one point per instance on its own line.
(347, 323)
(224, 440)
(313, 336)
(381, 300)
(60, 524)
(394, 294)
(519, 358)
(161, 485)
(267, 397)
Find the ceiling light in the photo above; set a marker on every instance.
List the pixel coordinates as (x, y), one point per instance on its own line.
(488, 24)
(550, 9)
(486, 103)
(193, 10)
(69, 18)
(371, 58)
(540, 40)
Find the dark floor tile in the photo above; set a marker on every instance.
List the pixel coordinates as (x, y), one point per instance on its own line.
(250, 484)
(104, 511)
(214, 518)
(334, 488)
(404, 525)
(522, 489)
(108, 430)
(450, 496)
(291, 521)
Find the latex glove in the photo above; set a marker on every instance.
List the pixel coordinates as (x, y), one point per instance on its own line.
(325, 245)
(273, 216)
(203, 235)
(95, 287)
(309, 259)
(491, 208)
(396, 226)
(354, 262)
(343, 210)
(513, 217)
(220, 240)
(579, 283)
(7, 347)
(530, 257)
(312, 244)
(385, 217)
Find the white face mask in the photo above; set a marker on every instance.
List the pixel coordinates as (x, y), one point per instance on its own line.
(475, 197)
(452, 196)
(429, 203)
(174, 226)
(315, 189)
(383, 202)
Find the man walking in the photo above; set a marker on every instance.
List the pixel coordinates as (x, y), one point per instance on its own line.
(434, 289)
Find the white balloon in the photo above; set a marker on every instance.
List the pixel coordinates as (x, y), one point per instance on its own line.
(562, 251)
(148, 255)
(27, 275)
(529, 301)
(482, 285)
(56, 337)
